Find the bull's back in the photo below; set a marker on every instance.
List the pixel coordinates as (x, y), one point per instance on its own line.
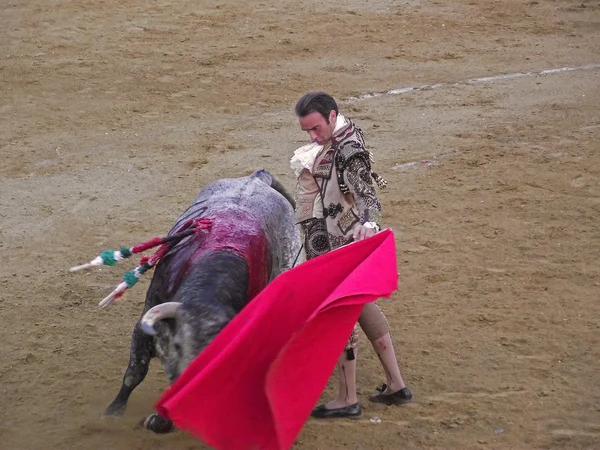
(263, 208)
(248, 193)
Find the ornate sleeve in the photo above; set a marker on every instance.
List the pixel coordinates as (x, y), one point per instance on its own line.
(357, 177)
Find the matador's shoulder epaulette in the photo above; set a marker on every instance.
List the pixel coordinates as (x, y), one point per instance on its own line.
(350, 144)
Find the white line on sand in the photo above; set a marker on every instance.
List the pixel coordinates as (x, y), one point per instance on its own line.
(480, 80)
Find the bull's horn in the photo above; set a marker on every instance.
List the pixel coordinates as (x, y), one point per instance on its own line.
(163, 311)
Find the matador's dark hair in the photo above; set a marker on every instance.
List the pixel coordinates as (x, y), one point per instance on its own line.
(316, 102)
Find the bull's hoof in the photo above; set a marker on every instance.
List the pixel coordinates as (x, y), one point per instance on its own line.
(158, 424)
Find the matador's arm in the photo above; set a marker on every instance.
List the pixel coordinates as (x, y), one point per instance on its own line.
(357, 177)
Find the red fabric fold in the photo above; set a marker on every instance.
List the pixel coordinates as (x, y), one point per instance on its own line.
(255, 385)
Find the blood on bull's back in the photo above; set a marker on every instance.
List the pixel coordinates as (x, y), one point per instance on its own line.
(256, 195)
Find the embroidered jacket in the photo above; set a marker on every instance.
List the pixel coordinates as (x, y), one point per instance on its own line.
(339, 193)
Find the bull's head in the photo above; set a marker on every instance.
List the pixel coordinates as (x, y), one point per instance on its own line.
(178, 346)
(174, 346)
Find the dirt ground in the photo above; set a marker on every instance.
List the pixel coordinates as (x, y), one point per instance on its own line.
(115, 113)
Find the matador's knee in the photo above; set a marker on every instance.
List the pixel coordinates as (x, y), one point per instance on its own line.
(373, 322)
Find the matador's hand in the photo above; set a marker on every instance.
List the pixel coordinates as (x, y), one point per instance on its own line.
(364, 231)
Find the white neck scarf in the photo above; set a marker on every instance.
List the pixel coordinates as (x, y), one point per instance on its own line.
(304, 157)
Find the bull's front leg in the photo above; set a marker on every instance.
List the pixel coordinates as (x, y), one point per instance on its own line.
(139, 360)
(155, 422)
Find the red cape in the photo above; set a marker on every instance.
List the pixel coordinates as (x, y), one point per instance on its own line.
(255, 385)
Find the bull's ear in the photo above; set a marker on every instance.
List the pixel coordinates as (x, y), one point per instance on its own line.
(166, 310)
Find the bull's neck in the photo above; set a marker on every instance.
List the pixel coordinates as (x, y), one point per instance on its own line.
(217, 279)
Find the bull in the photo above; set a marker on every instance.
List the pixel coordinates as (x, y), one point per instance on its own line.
(207, 278)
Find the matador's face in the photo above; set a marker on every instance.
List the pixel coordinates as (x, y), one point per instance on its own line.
(317, 127)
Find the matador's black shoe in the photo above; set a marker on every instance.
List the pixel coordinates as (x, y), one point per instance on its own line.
(401, 397)
(347, 412)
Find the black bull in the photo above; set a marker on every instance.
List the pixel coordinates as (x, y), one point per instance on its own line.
(202, 283)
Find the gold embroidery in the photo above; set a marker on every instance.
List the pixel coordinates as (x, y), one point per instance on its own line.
(324, 166)
(347, 221)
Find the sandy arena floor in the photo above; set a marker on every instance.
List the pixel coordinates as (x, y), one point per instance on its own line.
(115, 113)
